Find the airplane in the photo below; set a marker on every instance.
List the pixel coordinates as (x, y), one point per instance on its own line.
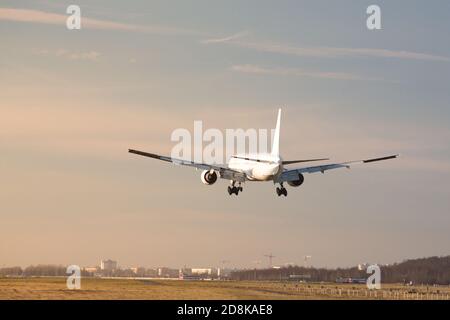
(259, 167)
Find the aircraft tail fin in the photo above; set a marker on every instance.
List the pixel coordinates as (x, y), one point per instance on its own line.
(276, 137)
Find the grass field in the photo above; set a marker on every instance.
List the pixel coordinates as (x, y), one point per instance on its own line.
(95, 288)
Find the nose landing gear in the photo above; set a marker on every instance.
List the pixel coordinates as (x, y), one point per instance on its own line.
(233, 189)
(281, 191)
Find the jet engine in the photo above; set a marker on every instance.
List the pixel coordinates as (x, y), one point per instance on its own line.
(297, 182)
(208, 177)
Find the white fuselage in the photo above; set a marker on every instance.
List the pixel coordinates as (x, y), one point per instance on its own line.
(261, 167)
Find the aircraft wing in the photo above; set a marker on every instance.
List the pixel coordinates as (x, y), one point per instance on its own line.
(224, 172)
(292, 174)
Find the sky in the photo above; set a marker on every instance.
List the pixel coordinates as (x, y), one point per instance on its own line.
(73, 101)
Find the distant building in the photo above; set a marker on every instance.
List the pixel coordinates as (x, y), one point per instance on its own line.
(204, 271)
(138, 271)
(199, 273)
(165, 272)
(351, 280)
(186, 274)
(299, 277)
(108, 265)
(91, 269)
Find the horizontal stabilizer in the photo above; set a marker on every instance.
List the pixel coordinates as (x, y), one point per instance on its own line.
(380, 159)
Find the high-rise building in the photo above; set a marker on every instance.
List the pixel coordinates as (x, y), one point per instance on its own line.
(108, 265)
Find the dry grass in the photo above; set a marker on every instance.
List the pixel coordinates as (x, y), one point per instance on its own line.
(93, 288)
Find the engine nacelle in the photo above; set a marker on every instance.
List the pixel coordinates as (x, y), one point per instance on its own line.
(208, 178)
(298, 182)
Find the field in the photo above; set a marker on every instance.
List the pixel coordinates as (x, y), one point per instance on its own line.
(95, 288)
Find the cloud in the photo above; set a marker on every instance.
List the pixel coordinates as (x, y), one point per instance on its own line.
(254, 69)
(327, 52)
(42, 17)
(227, 39)
(70, 55)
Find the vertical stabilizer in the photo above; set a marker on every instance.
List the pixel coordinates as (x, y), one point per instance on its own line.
(276, 137)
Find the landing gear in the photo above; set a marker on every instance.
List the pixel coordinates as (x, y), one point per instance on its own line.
(233, 189)
(281, 191)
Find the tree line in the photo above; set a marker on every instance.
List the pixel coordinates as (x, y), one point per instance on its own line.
(49, 270)
(46, 270)
(432, 270)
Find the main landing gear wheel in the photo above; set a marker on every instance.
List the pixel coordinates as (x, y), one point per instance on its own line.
(233, 189)
(281, 191)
